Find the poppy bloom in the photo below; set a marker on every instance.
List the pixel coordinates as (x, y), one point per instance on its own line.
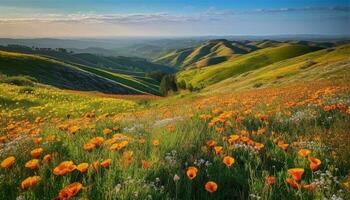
(30, 181)
(258, 146)
(292, 183)
(47, 158)
(95, 165)
(119, 146)
(211, 143)
(228, 161)
(155, 142)
(233, 138)
(283, 146)
(106, 163)
(304, 152)
(37, 140)
(270, 180)
(73, 129)
(211, 186)
(36, 153)
(64, 168)
(142, 141)
(107, 131)
(314, 163)
(83, 167)
(308, 187)
(218, 149)
(145, 164)
(89, 146)
(8, 162)
(97, 141)
(296, 173)
(32, 164)
(69, 191)
(191, 172)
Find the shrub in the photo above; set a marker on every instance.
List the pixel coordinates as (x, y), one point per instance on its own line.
(18, 80)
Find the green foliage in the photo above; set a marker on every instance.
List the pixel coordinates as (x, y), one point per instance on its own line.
(167, 84)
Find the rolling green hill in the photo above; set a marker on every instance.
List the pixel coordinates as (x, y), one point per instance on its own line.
(332, 64)
(209, 53)
(200, 78)
(74, 76)
(128, 65)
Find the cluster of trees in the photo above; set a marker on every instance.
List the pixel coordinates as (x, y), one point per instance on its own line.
(168, 82)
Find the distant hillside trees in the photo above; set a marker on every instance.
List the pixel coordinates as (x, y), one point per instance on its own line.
(167, 84)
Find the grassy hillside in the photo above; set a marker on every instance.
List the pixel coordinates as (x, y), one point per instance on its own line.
(209, 53)
(200, 78)
(128, 65)
(78, 77)
(331, 64)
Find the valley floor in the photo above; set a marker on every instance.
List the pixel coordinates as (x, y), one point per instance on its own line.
(285, 142)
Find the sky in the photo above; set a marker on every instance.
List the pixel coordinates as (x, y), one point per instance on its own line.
(109, 18)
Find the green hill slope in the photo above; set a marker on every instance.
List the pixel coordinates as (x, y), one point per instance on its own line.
(200, 78)
(77, 77)
(128, 65)
(331, 64)
(209, 53)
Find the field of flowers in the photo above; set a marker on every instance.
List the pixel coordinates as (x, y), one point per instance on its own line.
(275, 143)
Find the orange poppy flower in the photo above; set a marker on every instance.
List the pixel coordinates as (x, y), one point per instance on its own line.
(82, 167)
(69, 191)
(95, 165)
(64, 168)
(292, 183)
(36, 153)
(308, 187)
(233, 138)
(155, 142)
(37, 140)
(211, 186)
(304, 152)
(142, 141)
(191, 172)
(259, 146)
(245, 139)
(283, 146)
(89, 146)
(47, 158)
(270, 180)
(30, 181)
(106, 163)
(127, 156)
(32, 164)
(218, 149)
(73, 129)
(296, 173)
(119, 146)
(314, 163)
(228, 161)
(97, 141)
(145, 164)
(211, 143)
(107, 131)
(8, 162)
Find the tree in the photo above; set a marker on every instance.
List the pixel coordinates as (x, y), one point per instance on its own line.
(167, 84)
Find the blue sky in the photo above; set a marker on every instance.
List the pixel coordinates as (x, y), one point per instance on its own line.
(87, 18)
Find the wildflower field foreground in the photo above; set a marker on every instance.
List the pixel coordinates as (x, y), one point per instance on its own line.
(289, 142)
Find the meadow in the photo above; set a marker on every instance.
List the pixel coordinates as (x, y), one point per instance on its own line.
(282, 142)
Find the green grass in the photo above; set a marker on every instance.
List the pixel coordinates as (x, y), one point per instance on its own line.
(323, 65)
(200, 78)
(209, 53)
(69, 76)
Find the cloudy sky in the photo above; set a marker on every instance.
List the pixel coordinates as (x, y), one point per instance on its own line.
(108, 18)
